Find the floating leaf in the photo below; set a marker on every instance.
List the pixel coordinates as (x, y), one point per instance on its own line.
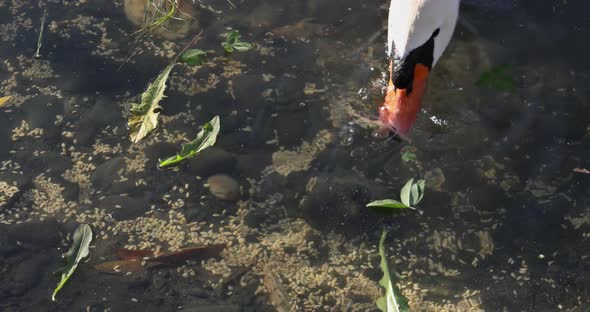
(393, 300)
(387, 203)
(4, 99)
(194, 57)
(78, 251)
(205, 138)
(144, 116)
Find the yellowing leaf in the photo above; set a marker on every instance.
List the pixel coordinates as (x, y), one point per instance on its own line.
(3, 100)
(144, 116)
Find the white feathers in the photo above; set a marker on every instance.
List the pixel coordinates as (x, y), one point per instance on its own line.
(412, 22)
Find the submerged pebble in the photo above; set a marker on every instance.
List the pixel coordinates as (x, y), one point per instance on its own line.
(224, 187)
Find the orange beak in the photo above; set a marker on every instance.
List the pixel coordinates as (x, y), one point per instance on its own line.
(401, 108)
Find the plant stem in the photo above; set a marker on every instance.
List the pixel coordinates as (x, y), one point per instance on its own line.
(40, 39)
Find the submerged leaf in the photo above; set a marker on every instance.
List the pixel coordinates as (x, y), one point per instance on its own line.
(136, 260)
(127, 254)
(4, 99)
(194, 57)
(232, 36)
(412, 193)
(496, 78)
(405, 193)
(78, 251)
(387, 203)
(125, 266)
(227, 47)
(242, 46)
(393, 300)
(193, 253)
(233, 42)
(205, 138)
(421, 187)
(144, 116)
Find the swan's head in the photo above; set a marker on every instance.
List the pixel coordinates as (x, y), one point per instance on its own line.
(418, 33)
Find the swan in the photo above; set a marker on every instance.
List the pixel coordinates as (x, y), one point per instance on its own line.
(418, 32)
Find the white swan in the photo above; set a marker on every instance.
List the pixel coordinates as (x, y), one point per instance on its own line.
(418, 33)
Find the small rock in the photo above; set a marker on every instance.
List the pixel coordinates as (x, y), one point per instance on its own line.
(71, 190)
(125, 207)
(224, 187)
(210, 161)
(27, 274)
(42, 235)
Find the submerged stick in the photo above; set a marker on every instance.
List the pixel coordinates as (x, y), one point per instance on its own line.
(40, 39)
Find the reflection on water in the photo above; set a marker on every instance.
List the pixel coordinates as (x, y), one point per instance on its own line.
(505, 217)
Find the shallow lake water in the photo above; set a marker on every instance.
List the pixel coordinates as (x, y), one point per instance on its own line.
(505, 220)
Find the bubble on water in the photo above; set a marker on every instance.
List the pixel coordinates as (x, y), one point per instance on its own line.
(363, 93)
(347, 134)
(420, 212)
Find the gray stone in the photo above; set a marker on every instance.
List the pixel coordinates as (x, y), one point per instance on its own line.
(224, 187)
(106, 173)
(41, 110)
(52, 161)
(38, 234)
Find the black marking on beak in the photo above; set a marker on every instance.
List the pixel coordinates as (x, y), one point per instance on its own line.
(402, 73)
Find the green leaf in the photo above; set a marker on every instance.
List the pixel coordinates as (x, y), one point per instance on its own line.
(205, 138)
(412, 193)
(194, 57)
(78, 251)
(409, 156)
(242, 46)
(227, 47)
(421, 187)
(405, 195)
(232, 36)
(497, 78)
(393, 300)
(144, 116)
(387, 203)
